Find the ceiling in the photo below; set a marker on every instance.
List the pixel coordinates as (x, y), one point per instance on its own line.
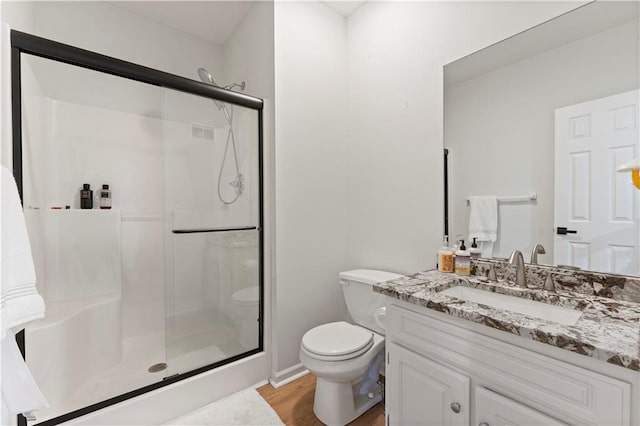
(213, 21)
(344, 8)
(582, 22)
(210, 20)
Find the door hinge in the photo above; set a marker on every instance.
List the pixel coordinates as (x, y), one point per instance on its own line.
(388, 357)
(388, 419)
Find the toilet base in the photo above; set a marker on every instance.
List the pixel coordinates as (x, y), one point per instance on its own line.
(338, 403)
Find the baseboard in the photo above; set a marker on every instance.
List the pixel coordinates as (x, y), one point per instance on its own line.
(259, 384)
(288, 375)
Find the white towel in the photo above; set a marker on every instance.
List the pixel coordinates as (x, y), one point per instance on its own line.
(20, 393)
(19, 298)
(19, 302)
(483, 218)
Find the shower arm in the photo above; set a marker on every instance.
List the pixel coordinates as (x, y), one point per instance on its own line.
(232, 85)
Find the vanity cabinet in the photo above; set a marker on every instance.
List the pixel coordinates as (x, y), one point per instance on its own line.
(424, 392)
(448, 371)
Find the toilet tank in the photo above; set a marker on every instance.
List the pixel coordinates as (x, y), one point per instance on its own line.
(362, 302)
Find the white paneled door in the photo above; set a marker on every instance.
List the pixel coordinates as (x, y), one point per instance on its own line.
(597, 206)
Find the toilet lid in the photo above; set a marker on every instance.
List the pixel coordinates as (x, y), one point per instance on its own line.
(337, 339)
(246, 296)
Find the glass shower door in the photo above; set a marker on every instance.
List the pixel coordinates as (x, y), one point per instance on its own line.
(212, 238)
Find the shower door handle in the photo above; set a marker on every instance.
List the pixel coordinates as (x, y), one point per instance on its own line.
(206, 230)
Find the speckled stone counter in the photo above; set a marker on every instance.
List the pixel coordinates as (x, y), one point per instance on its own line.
(608, 329)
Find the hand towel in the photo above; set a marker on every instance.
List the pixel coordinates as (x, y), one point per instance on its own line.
(20, 393)
(19, 298)
(483, 218)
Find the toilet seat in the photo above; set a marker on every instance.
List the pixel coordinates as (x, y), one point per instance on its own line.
(246, 296)
(337, 341)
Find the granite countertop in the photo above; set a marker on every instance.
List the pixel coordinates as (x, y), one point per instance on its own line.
(608, 329)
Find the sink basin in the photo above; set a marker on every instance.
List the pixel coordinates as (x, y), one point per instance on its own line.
(532, 308)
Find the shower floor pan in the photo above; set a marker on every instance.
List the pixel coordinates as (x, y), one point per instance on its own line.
(139, 353)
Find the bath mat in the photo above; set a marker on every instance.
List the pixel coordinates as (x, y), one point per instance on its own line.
(243, 408)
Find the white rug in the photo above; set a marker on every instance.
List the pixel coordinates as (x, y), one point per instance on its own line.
(243, 408)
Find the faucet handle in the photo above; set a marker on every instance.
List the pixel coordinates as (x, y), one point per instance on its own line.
(549, 285)
(492, 274)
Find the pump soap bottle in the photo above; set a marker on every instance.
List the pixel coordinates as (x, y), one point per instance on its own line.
(105, 197)
(463, 260)
(474, 251)
(445, 256)
(86, 197)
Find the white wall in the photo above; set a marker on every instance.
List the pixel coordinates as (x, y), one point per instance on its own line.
(359, 164)
(509, 114)
(311, 172)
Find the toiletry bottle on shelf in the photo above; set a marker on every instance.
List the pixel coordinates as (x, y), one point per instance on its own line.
(463, 260)
(474, 251)
(445, 257)
(86, 197)
(105, 197)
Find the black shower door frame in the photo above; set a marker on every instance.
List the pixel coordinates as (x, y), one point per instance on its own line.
(48, 49)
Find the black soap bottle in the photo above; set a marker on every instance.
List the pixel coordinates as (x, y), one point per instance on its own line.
(86, 197)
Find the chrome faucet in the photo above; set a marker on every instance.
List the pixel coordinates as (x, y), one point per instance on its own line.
(517, 259)
(538, 249)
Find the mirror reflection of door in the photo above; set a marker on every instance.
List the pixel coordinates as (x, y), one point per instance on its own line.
(597, 206)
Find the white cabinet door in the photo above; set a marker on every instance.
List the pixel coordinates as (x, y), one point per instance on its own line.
(423, 392)
(496, 410)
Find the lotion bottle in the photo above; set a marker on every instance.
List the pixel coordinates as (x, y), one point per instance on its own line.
(445, 257)
(463, 260)
(105, 197)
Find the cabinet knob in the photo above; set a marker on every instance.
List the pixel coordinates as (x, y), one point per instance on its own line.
(455, 407)
(483, 424)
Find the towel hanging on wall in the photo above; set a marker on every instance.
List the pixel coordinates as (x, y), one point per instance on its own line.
(483, 222)
(19, 302)
(19, 298)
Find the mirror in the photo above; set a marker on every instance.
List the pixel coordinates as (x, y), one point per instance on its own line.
(541, 121)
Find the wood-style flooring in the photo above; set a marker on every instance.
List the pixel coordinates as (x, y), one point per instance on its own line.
(294, 404)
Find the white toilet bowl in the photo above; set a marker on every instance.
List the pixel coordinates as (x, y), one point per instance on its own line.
(346, 358)
(245, 308)
(343, 392)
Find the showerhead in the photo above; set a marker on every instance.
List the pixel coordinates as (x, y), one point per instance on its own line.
(206, 77)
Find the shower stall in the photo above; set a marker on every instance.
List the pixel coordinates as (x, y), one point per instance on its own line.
(167, 283)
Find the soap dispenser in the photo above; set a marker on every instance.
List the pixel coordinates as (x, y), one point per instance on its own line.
(463, 260)
(445, 256)
(474, 251)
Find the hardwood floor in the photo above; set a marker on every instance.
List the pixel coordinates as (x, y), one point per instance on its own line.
(294, 404)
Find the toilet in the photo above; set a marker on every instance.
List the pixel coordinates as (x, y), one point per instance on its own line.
(346, 358)
(245, 311)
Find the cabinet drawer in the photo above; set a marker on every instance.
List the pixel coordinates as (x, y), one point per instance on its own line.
(537, 380)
